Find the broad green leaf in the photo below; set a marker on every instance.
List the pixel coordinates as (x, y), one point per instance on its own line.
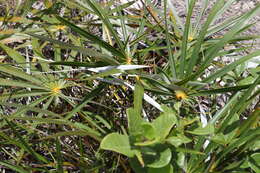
(163, 124)
(178, 140)
(221, 139)
(166, 169)
(117, 143)
(134, 121)
(162, 159)
(181, 160)
(138, 98)
(246, 81)
(148, 130)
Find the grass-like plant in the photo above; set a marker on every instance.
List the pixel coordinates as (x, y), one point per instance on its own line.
(82, 81)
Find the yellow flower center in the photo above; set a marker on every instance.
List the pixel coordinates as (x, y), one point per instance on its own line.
(180, 94)
(55, 90)
(60, 27)
(190, 38)
(128, 60)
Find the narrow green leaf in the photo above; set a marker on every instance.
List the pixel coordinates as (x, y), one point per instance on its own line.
(87, 130)
(254, 134)
(186, 150)
(171, 57)
(74, 63)
(16, 83)
(221, 90)
(19, 73)
(92, 37)
(238, 106)
(26, 108)
(225, 109)
(209, 129)
(83, 50)
(13, 167)
(249, 122)
(67, 133)
(86, 99)
(202, 34)
(185, 37)
(59, 156)
(104, 17)
(228, 36)
(254, 161)
(213, 51)
(22, 94)
(231, 66)
(16, 56)
(25, 144)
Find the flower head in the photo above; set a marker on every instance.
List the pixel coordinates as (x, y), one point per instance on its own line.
(180, 94)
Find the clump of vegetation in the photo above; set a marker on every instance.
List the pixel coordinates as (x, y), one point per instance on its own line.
(91, 86)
